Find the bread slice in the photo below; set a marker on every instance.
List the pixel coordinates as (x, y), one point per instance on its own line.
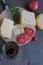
(39, 21)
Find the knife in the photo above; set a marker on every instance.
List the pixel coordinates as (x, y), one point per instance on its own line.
(7, 9)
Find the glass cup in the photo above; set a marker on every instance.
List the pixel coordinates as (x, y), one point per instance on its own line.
(10, 49)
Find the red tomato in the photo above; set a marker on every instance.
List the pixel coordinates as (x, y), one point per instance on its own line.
(34, 38)
(30, 31)
(23, 38)
(33, 5)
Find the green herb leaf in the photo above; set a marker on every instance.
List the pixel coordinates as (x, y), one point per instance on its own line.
(15, 13)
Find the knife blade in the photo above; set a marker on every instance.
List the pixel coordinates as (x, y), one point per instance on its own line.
(7, 9)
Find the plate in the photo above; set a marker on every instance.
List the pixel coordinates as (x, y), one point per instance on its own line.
(13, 37)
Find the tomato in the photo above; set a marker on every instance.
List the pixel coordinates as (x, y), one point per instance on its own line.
(30, 31)
(23, 38)
(33, 5)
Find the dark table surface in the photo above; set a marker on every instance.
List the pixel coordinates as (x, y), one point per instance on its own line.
(32, 53)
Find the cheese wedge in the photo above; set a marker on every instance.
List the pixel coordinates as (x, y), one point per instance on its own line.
(39, 21)
(6, 28)
(18, 29)
(27, 18)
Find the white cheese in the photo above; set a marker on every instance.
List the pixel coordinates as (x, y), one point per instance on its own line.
(6, 28)
(18, 29)
(27, 18)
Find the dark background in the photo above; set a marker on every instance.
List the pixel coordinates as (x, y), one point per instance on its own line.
(32, 53)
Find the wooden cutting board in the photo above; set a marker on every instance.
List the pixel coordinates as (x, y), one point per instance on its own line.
(13, 37)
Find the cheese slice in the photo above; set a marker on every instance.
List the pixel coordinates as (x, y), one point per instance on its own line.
(27, 18)
(18, 29)
(6, 28)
